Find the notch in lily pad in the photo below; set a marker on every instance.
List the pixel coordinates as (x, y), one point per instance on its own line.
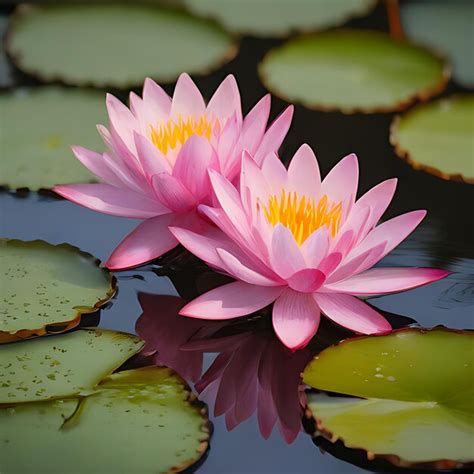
(411, 396)
(438, 138)
(145, 419)
(126, 43)
(48, 288)
(353, 71)
(279, 17)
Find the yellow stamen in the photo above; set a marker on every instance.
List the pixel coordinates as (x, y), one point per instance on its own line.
(302, 215)
(173, 133)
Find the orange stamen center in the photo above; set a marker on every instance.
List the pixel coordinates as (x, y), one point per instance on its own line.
(302, 215)
(171, 134)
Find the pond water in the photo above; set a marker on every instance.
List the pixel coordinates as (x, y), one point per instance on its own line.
(444, 241)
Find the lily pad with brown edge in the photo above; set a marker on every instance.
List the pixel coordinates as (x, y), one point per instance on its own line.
(446, 26)
(353, 71)
(42, 124)
(116, 45)
(416, 396)
(279, 17)
(438, 137)
(144, 420)
(48, 288)
(62, 366)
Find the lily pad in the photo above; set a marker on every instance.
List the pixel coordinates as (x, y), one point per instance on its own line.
(142, 420)
(418, 396)
(446, 26)
(353, 71)
(47, 288)
(62, 366)
(438, 137)
(279, 17)
(42, 125)
(114, 45)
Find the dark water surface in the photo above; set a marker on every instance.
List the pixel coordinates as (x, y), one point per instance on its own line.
(445, 240)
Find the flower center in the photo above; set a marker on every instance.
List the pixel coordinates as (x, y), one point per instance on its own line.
(171, 134)
(303, 215)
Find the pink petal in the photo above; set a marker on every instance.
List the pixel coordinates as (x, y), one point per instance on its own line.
(226, 101)
(340, 185)
(228, 302)
(316, 246)
(252, 178)
(236, 268)
(194, 160)
(285, 256)
(95, 164)
(303, 173)
(307, 280)
(172, 193)
(111, 200)
(254, 124)
(275, 173)
(377, 199)
(387, 280)
(357, 264)
(330, 263)
(148, 241)
(295, 318)
(275, 135)
(392, 231)
(229, 199)
(151, 159)
(187, 100)
(204, 243)
(156, 99)
(229, 161)
(351, 313)
(122, 121)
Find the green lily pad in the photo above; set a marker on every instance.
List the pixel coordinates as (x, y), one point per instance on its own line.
(438, 137)
(47, 288)
(418, 395)
(279, 17)
(142, 420)
(62, 366)
(352, 71)
(42, 125)
(446, 26)
(114, 45)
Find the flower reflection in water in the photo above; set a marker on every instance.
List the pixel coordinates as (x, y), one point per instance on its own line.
(253, 372)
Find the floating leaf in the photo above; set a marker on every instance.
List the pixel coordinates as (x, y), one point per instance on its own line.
(446, 26)
(62, 366)
(142, 420)
(42, 125)
(438, 137)
(47, 288)
(113, 45)
(418, 404)
(279, 17)
(352, 71)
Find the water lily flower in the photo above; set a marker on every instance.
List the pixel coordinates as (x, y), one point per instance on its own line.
(158, 155)
(306, 245)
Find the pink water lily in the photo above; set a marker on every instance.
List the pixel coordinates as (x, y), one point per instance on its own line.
(158, 155)
(305, 244)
